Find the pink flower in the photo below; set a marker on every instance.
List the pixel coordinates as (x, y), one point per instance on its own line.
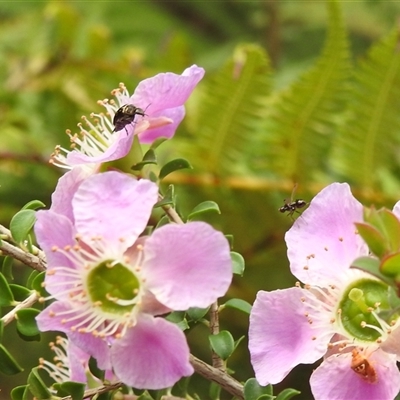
(110, 285)
(161, 97)
(70, 364)
(338, 315)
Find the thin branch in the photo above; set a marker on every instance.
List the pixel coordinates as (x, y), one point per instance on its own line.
(100, 390)
(224, 380)
(217, 361)
(172, 214)
(29, 301)
(8, 247)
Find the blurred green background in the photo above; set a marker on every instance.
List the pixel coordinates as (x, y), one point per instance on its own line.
(292, 94)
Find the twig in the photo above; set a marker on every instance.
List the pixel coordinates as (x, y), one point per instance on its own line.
(100, 390)
(8, 248)
(170, 211)
(224, 380)
(217, 361)
(29, 301)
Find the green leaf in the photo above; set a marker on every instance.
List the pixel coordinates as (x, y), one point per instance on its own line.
(33, 205)
(37, 284)
(387, 224)
(370, 265)
(21, 224)
(214, 391)
(238, 304)
(223, 344)
(196, 313)
(164, 220)
(20, 293)
(36, 385)
(204, 207)
(95, 370)
(6, 296)
(26, 322)
(8, 365)
(74, 389)
(253, 391)
(31, 278)
(1, 330)
(374, 239)
(287, 394)
(158, 142)
(172, 166)
(168, 198)
(178, 318)
(7, 268)
(145, 396)
(20, 393)
(390, 265)
(148, 158)
(238, 264)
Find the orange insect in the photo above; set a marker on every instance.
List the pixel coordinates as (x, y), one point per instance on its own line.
(361, 366)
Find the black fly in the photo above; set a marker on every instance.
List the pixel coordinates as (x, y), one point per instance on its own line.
(292, 206)
(125, 115)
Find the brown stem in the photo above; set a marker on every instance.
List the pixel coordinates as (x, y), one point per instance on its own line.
(217, 362)
(29, 301)
(224, 380)
(9, 248)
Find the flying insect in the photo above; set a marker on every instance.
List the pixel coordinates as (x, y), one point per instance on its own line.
(125, 115)
(292, 206)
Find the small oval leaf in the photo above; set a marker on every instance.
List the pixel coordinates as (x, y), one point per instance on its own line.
(37, 386)
(20, 392)
(74, 389)
(19, 292)
(6, 296)
(26, 321)
(239, 304)
(253, 390)
(287, 394)
(7, 268)
(222, 343)
(8, 365)
(33, 205)
(21, 224)
(204, 207)
(172, 166)
(238, 264)
(197, 313)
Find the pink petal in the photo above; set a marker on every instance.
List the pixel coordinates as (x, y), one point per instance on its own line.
(280, 336)
(53, 318)
(187, 265)
(323, 242)
(152, 355)
(392, 343)
(67, 186)
(118, 149)
(335, 380)
(78, 363)
(54, 230)
(167, 131)
(166, 90)
(114, 206)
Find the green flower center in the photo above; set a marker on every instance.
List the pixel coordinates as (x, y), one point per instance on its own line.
(357, 305)
(114, 287)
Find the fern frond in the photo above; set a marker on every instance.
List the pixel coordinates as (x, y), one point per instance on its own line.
(231, 112)
(298, 134)
(369, 140)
